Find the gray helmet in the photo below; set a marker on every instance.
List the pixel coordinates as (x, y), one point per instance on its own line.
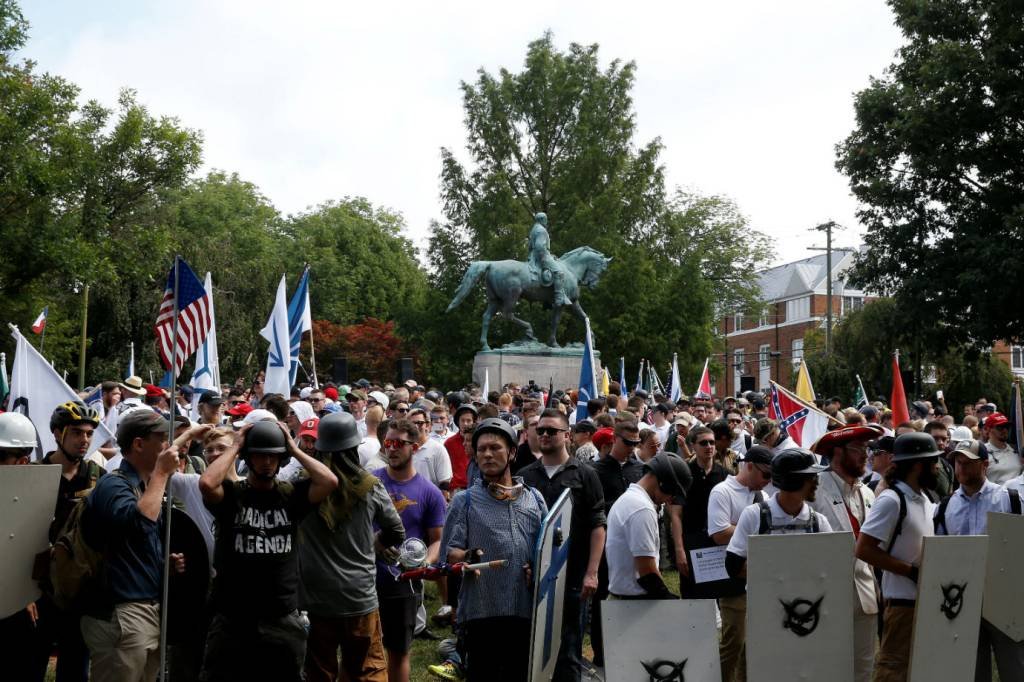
(265, 436)
(492, 425)
(673, 474)
(792, 466)
(914, 445)
(465, 407)
(337, 432)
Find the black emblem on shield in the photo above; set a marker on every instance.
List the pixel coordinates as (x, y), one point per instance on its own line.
(801, 616)
(665, 671)
(952, 599)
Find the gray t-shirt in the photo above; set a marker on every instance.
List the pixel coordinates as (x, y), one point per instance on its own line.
(337, 569)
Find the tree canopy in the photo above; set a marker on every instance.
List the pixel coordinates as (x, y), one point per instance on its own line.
(935, 162)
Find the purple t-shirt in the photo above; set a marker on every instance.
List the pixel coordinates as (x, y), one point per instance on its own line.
(420, 504)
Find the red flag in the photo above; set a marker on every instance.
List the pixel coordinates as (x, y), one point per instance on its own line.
(704, 390)
(898, 398)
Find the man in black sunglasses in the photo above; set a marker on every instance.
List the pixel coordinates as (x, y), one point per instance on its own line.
(553, 473)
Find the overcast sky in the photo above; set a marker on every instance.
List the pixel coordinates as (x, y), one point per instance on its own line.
(319, 100)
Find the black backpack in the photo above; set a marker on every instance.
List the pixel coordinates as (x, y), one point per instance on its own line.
(766, 527)
(940, 517)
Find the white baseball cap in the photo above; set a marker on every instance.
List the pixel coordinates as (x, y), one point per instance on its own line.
(255, 416)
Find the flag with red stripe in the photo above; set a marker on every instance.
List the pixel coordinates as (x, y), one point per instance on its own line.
(799, 420)
(195, 316)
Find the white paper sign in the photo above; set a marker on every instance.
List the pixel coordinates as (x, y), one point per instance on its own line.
(708, 564)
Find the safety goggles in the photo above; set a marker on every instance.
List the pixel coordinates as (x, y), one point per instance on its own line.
(397, 444)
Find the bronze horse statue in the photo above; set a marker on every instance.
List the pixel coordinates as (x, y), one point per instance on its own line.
(507, 281)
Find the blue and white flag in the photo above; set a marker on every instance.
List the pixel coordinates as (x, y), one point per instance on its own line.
(674, 391)
(206, 374)
(588, 384)
(300, 320)
(131, 363)
(640, 377)
(623, 391)
(279, 355)
(95, 400)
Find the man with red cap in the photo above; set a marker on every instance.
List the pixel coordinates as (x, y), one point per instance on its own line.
(844, 500)
(1003, 462)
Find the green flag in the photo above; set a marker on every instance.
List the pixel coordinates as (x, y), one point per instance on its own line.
(860, 398)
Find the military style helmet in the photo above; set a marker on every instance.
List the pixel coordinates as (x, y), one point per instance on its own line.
(16, 431)
(336, 432)
(673, 474)
(498, 426)
(73, 412)
(792, 466)
(914, 445)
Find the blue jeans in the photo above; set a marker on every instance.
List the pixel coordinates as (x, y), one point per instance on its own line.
(570, 655)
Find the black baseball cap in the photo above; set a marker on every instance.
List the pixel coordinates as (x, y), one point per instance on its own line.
(210, 398)
(758, 454)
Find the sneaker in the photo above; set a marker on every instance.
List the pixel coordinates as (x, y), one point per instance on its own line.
(443, 615)
(446, 671)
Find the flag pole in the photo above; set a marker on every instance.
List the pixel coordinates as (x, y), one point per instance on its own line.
(42, 339)
(81, 348)
(312, 348)
(165, 602)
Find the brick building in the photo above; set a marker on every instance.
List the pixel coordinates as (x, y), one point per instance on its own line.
(770, 347)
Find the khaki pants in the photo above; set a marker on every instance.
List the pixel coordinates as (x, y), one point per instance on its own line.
(865, 627)
(893, 660)
(732, 648)
(362, 649)
(125, 648)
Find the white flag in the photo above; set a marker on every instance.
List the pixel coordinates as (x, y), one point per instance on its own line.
(37, 389)
(487, 383)
(675, 391)
(279, 353)
(207, 371)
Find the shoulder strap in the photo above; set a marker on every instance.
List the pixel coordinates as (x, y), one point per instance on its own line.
(815, 524)
(766, 518)
(939, 521)
(899, 521)
(1014, 501)
(758, 497)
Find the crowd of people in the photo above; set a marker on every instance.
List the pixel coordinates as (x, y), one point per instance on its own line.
(316, 510)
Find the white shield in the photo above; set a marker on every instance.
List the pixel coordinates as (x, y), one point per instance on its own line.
(549, 564)
(949, 593)
(28, 495)
(664, 639)
(800, 607)
(1004, 599)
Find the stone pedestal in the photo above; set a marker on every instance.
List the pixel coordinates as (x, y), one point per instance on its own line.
(521, 362)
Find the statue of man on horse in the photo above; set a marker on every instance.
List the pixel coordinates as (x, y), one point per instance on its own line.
(554, 282)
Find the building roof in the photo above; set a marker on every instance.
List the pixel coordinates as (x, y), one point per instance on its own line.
(807, 276)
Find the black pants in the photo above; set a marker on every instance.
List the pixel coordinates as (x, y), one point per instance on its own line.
(498, 649)
(62, 629)
(596, 630)
(254, 648)
(570, 654)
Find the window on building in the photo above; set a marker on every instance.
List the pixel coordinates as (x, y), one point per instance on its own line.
(763, 321)
(798, 351)
(798, 308)
(737, 360)
(737, 322)
(764, 355)
(851, 303)
(1017, 358)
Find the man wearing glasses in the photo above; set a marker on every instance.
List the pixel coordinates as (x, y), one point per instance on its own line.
(431, 459)
(317, 400)
(553, 473)
(727, 501)
(211, 408)
(1004, 464)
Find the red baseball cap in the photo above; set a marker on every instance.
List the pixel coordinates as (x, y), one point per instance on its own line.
(240, 410)
(153, 391)
(309, 427)
(603, 437)
(996, 419)
(331, 392)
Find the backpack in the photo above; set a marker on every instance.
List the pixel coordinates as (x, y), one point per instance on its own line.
(940, 517)
(766, 526)
(75, 565)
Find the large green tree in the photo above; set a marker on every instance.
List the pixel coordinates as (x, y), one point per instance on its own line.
(935, 160)
(559, 137)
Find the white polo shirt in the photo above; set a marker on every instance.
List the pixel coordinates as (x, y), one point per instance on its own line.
(881, 523)
(1003, 464)
(725, 503)
(632, 532)
(782, 524)
(432, 462)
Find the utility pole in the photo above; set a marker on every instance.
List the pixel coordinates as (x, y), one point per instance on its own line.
(827, 228)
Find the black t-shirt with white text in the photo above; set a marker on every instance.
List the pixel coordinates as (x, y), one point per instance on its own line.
(255, 553)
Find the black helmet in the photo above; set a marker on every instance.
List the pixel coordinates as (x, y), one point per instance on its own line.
(467, 407)
(73, 412)
(434, 396)
(792, 466)
(336, 432)
(265, 437)
(495, 425)
(673, 474)
(914, 445)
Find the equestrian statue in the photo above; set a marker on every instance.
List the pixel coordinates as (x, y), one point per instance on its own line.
(554, 282)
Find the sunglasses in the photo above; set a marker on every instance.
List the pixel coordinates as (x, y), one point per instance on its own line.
(236, 403)
(402, 410)
(317, 400)
(551, 431)
(420, 423)
(391, 444)
(631, 443)
(706, 443)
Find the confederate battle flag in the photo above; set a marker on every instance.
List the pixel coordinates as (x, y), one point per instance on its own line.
(801, 421)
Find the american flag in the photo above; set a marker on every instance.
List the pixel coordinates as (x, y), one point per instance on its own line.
(194, 317)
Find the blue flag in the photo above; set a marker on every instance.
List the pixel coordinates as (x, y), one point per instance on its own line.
(622, 377)
(299, 321)
(588, 385)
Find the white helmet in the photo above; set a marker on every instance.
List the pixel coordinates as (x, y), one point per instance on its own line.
(960, 434)
(16, 431)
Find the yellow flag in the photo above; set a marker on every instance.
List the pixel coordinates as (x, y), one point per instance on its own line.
(604, 382)
(804, 387)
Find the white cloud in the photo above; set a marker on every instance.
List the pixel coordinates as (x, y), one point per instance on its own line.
(314, 100)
